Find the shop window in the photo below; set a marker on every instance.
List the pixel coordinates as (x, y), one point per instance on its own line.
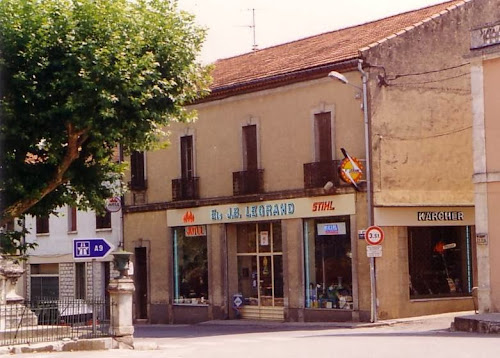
(42, 224)
(328, 263)
(103, 221)
(440, 261)
(190, 267)
(44, 282)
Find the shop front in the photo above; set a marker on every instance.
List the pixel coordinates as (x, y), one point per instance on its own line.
(279, 257)
(434, 261)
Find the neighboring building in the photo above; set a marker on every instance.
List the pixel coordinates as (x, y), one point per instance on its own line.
(250, 200)
(52, 272)
(485, 81)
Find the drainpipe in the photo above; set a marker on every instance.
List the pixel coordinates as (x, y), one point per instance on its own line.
(367, 143)
(373, 284)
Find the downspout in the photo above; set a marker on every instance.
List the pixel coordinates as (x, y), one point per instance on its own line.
(367, 143)
(373, 284)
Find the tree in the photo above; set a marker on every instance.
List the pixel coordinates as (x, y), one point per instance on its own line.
(81, 78)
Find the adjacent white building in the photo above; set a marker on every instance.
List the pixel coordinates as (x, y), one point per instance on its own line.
(51, 270)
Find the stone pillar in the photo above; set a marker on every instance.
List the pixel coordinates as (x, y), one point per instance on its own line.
(121, 290)
(12, 312)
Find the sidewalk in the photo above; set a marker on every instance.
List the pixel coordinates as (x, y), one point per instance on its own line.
(443, 317)
(479, 323)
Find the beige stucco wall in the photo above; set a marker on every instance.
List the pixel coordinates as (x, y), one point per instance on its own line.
(149, 229)
(284, 118)
(491, 71)
(421, 121)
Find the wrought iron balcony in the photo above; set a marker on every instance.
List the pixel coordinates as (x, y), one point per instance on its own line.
(317, 174)
(185, 189)
(138, 184)
(248, 182)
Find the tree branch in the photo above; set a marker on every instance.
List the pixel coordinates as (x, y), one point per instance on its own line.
(75, 141)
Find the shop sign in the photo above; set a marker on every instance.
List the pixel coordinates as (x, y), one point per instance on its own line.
(424, 216)
(196, 230)
(485, 36)
(113, 204)
(254, 211)
(440, 216)
(261, 211)
(331, 228)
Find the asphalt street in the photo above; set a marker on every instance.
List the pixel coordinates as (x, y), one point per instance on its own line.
(420, 337)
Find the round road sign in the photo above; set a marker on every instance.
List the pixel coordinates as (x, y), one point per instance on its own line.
(374, 235)
(113, 204)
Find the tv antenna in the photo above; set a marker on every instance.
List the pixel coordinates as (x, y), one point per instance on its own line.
(254, 46)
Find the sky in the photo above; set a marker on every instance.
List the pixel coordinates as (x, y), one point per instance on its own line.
(229, 22)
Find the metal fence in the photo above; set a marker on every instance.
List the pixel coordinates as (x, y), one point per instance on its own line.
(45, 320)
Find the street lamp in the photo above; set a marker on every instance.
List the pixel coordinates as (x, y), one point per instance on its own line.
(340, 77)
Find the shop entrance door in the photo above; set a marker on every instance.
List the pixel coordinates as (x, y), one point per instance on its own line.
(260, 270)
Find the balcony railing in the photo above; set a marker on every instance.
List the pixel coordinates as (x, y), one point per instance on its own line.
(138, 184)
(317, 174)
(185, 189)
(248, 182)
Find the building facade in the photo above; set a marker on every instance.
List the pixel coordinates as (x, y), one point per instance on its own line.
(52, 271)
(258, 209)
(484, 56)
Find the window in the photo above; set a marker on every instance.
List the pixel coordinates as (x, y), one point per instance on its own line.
(328, 263)
(42, 224)
(190, 268)
(138, 177)
(323, 133)
(250, 147)
(440, 261)
(187, 168)
(80, 280)
(103, 221)
(44, 281)
(71, 219)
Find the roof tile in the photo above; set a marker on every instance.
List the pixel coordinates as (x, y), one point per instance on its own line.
(327, 48)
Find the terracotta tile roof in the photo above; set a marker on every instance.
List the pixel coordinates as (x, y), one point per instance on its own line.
(316, 51)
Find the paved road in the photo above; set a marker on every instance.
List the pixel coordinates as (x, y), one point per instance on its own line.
(422, 338)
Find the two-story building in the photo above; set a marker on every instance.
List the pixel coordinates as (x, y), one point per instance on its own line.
(53, 272)
(258, 209)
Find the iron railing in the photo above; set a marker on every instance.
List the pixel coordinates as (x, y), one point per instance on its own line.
(46, 320)
(248, 182)
(185, 189)
(317, 174)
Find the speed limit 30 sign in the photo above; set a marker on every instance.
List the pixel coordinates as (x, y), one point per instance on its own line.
(374, 235)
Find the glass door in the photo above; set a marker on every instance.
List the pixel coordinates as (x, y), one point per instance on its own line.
(260, 264)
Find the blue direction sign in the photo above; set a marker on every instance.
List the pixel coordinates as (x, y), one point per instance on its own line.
(91, 248)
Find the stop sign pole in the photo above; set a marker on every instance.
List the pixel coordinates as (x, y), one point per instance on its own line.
(374, 235)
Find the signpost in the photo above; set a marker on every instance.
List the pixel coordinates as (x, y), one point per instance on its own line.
(374, 236)
(91, 248)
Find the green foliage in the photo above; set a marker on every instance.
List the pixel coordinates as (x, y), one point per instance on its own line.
(81, 77)
(12, 243)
